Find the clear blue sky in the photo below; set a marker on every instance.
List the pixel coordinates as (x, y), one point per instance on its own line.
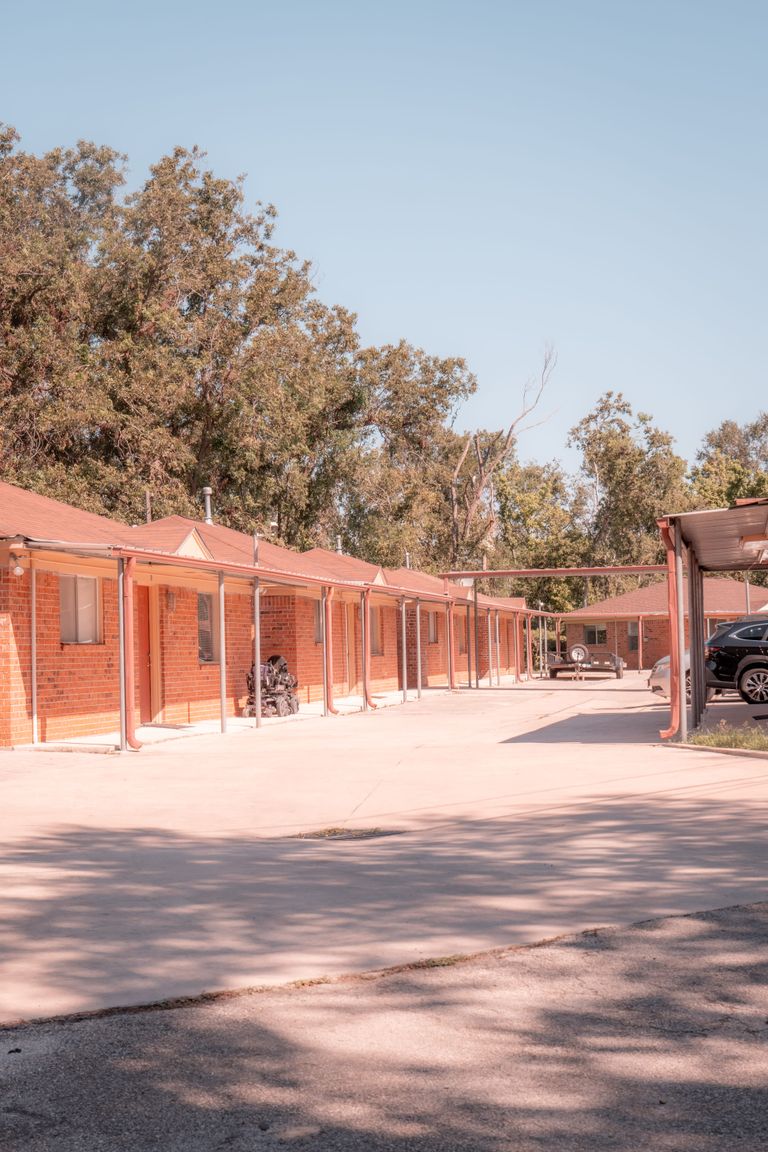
(480, 178)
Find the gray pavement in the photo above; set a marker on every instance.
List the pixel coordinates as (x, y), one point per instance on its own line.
(648, 1038)
(514, 815)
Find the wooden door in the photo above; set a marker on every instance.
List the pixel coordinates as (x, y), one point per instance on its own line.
(145, 656)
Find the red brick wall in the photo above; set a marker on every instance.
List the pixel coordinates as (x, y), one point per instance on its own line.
(190, 689)
(15, 701)
(77, 684)
(434, 656)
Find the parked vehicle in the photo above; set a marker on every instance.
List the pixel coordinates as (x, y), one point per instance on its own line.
(736, 656)
(581, 660)
(658, 680)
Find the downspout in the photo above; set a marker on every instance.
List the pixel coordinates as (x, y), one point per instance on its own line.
(33, 646)
(674, 665)
(367, 649)
(328, 649)
(121, 652)
(130, 678)
(528, 649)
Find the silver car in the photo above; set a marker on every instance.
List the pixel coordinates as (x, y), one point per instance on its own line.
(658, 680)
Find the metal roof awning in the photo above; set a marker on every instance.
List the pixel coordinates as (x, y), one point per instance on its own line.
(727, 539)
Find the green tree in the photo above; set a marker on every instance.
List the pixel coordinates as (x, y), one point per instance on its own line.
(55, 211)
(542, 514)
(632, 477)
(732, 464)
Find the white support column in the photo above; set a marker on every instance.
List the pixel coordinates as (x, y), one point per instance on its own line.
(257, 651)
(33, 647)
(418, 648)
(222, 656)
(404, 653)
(363, 641)
(490, 656)
(498, 651)
(680, 638)
(324, 645)
(121, 656)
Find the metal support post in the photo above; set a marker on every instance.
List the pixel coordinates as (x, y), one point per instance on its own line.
(477, 636)
(418, 648)
(33, 646)
(121, 653)
(257, 650)
(324, 642)
(490, 660)
(404, 653)
(680, 638)
(222, 655)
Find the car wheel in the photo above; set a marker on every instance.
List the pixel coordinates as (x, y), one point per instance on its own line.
(753, 686)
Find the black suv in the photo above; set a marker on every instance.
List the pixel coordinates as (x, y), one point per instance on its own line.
(736, 656)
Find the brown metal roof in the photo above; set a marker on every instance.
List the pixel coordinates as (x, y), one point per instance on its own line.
(722, 597)
(341, 567)
(32, 516)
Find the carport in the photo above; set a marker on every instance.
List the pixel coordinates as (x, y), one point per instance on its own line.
(723, 540)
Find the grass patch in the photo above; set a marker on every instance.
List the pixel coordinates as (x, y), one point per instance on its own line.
(747, 737)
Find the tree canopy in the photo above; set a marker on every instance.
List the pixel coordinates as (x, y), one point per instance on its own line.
(157, 342)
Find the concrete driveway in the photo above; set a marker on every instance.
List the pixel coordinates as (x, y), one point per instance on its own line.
(495, 817)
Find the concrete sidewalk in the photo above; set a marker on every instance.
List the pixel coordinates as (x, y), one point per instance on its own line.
(514, 815)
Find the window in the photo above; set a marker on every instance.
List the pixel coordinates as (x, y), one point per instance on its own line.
(207, 630)
(432, 627)
(377, 645)
(595, 634)
(633, 633)
(318, 621)
(79, 609)
(753, 632)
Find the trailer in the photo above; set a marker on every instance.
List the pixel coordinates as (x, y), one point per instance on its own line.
(580, 661)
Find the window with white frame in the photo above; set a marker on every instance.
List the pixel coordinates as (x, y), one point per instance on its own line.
(595, 634)
(207, 629)
(79, 610)
(633, 635)
(431, 627)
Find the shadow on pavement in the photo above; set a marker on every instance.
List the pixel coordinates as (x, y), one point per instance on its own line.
(653, 1038)
(123, 916)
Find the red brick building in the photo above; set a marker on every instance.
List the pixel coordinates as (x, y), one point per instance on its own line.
(105, 627)
(636, 625)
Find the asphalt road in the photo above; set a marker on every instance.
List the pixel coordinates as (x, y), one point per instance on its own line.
(647, 1038)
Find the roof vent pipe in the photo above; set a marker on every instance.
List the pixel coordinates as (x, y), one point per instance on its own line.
(207, 493)
(338, 545)
(407, 559)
